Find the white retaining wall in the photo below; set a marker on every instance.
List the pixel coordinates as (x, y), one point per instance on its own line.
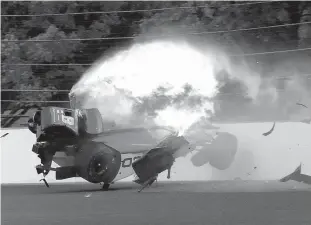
(258, 158)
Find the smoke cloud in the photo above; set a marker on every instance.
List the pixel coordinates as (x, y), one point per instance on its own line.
(170, 82)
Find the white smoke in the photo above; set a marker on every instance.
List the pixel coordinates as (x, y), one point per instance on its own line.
(117, 85)
(167, 82)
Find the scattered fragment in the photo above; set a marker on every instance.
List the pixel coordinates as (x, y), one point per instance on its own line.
(297, 176)
(293, 175)
(88, 195)
(250, 173)
(4, 135)
(301, 104)
(45, 182)
(270, 131)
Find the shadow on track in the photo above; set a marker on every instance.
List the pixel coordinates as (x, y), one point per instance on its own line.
(94, 189)
(89, 190)
(56, 188)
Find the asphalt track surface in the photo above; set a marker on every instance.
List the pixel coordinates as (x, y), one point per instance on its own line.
(204, 203)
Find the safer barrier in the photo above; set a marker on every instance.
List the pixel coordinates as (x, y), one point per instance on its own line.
(258, 157)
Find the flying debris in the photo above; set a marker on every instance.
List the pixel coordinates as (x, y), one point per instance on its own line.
(301, 104)
(4, 135)
(270, 131)
(46, 183)
(250, 173)
(88, 195)
(297, 176)
(307, 121)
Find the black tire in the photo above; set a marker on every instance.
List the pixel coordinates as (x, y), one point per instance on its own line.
(90, 151)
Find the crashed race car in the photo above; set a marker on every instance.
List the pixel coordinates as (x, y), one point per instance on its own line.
(79, 142)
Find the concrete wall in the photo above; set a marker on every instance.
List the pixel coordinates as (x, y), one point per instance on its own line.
(258, 157)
